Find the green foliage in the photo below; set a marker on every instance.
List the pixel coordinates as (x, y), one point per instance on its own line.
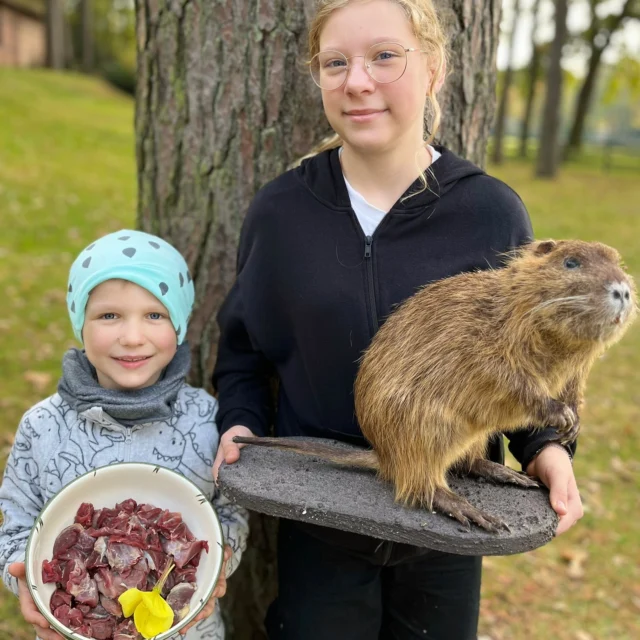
(114, 33)
(120, 76)
(623, 82)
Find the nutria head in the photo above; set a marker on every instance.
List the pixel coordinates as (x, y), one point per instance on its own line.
(573, 289)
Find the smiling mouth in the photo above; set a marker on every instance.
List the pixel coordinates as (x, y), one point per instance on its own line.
(364, 112)
(132, 358)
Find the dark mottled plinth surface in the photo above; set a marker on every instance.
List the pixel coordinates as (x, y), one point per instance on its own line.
(299, 487)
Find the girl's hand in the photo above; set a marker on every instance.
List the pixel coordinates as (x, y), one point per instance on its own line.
(229, 451)
(218, 592)
(553, 467)
(28, 607)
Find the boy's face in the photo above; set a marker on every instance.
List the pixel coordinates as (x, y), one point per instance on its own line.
(128, 335)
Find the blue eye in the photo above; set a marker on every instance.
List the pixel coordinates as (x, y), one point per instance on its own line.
(108, 316)
(155, 316)
(571, 263)
(335, 64)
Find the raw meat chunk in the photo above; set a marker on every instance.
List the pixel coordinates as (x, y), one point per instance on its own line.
(122, 556)
(111, 606)
(52, 571)
(179, 599)
(85, 514)
(182, 552)
(66, 539)
(126, 630)
(59, 598)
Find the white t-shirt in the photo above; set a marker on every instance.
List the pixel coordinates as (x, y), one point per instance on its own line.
(369, 216)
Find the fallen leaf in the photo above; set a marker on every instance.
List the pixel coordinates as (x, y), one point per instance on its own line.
(619, 467)
(576, 559)
(38, 379)
(618, 561)
(45, 351)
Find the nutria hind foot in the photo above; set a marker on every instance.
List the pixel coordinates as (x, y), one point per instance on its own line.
(500, 474)
(447, 502)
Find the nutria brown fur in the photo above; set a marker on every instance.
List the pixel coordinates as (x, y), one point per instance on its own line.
(482, 353)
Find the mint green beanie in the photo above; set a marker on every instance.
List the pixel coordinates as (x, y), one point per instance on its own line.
(138, 257)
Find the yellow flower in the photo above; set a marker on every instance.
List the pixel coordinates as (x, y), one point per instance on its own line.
(151, 613)
(129, 600)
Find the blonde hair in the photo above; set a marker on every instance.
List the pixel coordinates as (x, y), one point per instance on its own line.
(426, 27)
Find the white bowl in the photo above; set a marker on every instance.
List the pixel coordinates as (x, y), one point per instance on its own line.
(106, 486)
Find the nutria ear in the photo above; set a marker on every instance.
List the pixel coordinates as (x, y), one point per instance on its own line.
(544, 247)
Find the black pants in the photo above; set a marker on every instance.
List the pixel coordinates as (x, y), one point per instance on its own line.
(385, 591)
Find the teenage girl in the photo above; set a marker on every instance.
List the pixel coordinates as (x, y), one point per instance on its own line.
(327, 251)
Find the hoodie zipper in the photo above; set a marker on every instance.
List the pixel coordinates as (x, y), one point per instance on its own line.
(127, 440)
(373, 313)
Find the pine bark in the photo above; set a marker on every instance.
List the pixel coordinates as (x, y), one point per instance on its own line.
(547, 162)
(224, 104)
(468, 96)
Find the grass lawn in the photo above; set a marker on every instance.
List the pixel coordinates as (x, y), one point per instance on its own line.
(67, 175)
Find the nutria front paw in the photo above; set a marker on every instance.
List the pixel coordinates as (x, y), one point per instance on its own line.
(570, 435)
(559, 415)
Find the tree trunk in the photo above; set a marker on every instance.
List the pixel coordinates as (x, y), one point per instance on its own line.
(532, 80)
(86, 22)
(583, 101)
(603, 29)
(468, 96)
(55, 34)
(548, 152)
(501, 118)
(224, 104)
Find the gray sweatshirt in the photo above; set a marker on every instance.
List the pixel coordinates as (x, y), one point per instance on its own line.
(55, 444)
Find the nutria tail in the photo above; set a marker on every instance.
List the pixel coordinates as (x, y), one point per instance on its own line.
(352, 457)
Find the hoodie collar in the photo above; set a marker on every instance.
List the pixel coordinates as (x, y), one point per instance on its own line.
(322, 175)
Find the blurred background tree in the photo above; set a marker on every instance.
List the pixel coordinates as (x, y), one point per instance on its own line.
(581, 82)
(93, 36)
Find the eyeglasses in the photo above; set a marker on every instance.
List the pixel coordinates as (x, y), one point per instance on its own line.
(385, 62)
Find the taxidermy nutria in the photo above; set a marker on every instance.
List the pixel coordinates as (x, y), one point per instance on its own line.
(477, 354)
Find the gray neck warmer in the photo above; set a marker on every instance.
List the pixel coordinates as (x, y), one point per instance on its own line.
(80, 389)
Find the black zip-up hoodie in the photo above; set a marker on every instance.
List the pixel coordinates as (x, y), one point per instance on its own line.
(312, 290)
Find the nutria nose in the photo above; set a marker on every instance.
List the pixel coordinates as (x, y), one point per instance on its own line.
(621, 293)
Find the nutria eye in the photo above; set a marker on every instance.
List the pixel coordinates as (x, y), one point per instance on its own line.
(572, 263)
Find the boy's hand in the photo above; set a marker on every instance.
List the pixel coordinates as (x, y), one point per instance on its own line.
(28, 607)
(229, 451)
(218, 592)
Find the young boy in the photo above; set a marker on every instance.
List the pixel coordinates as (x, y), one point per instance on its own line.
(122, 399)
